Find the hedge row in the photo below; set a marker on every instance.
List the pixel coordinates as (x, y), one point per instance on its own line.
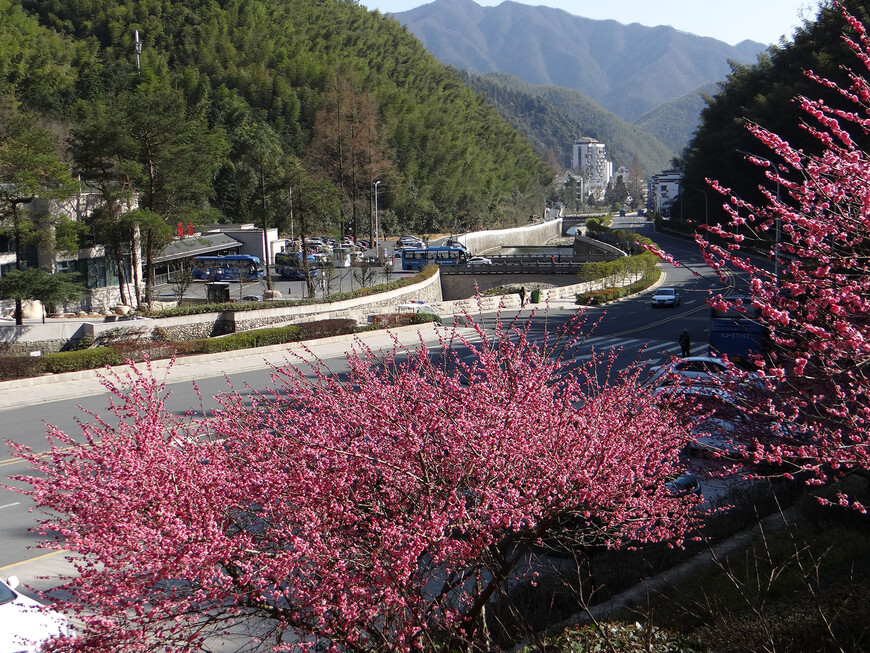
(250, 339)
(613, 293)
(18, 367)
(82, 359)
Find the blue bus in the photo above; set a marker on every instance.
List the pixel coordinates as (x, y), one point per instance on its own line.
(233, 267)
(288, 265)
(737, 333)
(415, 259)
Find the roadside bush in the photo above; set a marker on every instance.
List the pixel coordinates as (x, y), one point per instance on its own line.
(613, 293)
(83, 359)
(19, 367)
(248, 339)
(390, 320)
(138, 351)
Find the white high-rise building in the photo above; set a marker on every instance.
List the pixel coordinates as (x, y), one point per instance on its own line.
(589, 159)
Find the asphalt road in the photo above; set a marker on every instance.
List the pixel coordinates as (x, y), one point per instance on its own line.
(630, 327)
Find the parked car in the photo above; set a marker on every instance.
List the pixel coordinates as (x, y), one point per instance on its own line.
(700, 369)
(252, 298)
(410, 241)
(452, 242)
(26, 625)
(479, 260)
(665, 297)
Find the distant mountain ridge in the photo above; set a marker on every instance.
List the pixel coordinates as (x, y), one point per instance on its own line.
(628, 69)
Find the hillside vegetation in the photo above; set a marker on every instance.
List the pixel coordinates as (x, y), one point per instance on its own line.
(551, 118)
(328, 89)
(765, 93)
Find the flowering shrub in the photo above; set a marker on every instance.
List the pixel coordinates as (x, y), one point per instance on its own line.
(381, 511)
(814, 298)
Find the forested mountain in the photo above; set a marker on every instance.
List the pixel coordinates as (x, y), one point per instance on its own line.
(627, 69)
(674, 123)
(552, 118)
(228, 94)
(765, 93)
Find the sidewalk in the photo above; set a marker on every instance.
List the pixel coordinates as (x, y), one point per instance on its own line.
(56, 387)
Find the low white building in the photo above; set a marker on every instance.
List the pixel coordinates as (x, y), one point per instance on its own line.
(663, 190)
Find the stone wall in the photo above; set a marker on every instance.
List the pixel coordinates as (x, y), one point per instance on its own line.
(59, 334)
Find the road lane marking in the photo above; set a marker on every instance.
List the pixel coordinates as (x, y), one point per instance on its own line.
(36, 559)
(9, 505)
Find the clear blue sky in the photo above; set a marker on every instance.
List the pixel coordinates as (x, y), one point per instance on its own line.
(731, 21)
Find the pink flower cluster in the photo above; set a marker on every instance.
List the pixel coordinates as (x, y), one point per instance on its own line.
(378, 511)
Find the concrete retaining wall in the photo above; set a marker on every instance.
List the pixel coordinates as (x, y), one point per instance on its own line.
(537, 234)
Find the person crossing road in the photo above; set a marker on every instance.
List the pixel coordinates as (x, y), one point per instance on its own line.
(685, 343)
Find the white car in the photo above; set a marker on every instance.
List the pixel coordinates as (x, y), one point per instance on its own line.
(665, 297)
(700, 370)
(26, 625)
(479, 260)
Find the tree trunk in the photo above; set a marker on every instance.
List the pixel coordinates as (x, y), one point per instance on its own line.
(135, 261)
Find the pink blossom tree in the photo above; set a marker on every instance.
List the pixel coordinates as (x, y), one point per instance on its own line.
(377, 512)
(815, 299)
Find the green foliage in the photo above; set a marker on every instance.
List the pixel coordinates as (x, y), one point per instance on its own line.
(208, 68)
(248, 339)
(612, 293)
(83, 359)
(36, 283)
(550, 117)
(763, 93)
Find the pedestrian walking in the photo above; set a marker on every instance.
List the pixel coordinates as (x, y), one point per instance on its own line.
(686, 343)
(522, 296)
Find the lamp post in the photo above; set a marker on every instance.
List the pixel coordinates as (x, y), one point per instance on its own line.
(377, 227)
(706, 210)
(778, 220)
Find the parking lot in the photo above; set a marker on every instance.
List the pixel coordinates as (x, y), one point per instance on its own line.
(343, 280)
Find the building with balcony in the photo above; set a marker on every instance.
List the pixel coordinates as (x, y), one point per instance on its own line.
(589, 160)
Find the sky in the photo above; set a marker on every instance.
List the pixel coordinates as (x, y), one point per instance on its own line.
(730, 21)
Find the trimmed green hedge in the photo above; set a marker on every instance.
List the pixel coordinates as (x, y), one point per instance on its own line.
(249, 339)
(82, 359)
(618, 292)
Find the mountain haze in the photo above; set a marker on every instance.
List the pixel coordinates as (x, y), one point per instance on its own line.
(628, 69)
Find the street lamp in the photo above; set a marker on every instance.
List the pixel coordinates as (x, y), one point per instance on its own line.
(706, 211)
(377, 227)
(778, 219)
